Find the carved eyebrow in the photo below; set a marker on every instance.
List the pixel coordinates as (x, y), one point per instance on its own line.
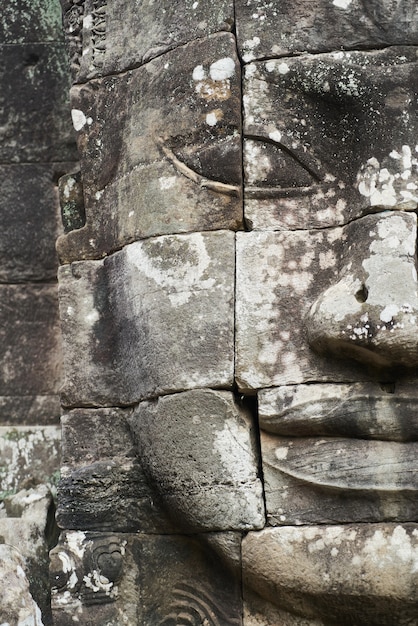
(309, 163)
(204, 183)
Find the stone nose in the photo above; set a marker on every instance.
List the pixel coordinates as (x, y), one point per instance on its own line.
(371, 312)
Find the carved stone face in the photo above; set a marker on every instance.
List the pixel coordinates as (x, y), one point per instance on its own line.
(260, 270)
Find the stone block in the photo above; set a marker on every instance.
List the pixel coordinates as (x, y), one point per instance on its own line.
(29, 455)
(103, 486)
(17, 604)
(99, 44)
(274, 29)
(30, 21)
(199, 451)
(361, 574)
(329, 138)
(27, 530)
(30, 410)
(30, 355)
(35, 122)
(325, 298)
(105, 578)
(154, 318)
(29, 221)
(157, 161)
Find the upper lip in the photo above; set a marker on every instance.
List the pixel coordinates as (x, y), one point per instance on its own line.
(363, 413)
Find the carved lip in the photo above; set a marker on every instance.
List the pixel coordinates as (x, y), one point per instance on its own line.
(358, 411)
(345, 464)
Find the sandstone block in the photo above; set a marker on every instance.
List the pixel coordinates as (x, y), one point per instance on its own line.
(157, 161)
(155, 317)
(324, 299)
(199, 451)
(103, 486)
(329, 138)
(268, 29)
(29, 334)
(34, 119)
(29, 221)
(98, 47)
(29, 454)
(362, 574)
(105, 578)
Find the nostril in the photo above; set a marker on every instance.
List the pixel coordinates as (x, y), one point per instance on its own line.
(362, 294)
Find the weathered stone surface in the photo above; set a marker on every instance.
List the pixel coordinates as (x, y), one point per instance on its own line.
(370, 313)
(274, 29)
(73, 213)
(25, 21)
(27, 528)
(103, 486)
(97, 46)
(29, 335)
(198, 450)
(153, 318)
(105, 578)
(360, 410)
(17, 604)
(158, 161)
(28, 454)
(29, 72)
(260, 612)
(354, 574)
(29, 221)
(333, 479)
(30, 410)
(349, 292)
(329, 137)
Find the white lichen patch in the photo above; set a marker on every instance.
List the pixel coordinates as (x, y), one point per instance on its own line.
(342, 4)
(214, 83)
(222, 69)
(78, 118)
(393, 185)
(249, 47)
(76, 541)
(177, 277)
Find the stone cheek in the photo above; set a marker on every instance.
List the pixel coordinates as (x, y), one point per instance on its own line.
(199, 449)
(157, 161)
(153, 318)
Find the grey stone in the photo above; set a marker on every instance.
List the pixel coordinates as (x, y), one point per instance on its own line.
(105, 578)
(27, 531)
(199, 451)
(17, 604)
(332, 479)
(157, 161)
(29, 335)
(28, 454)
(103, 486)
(370, 313)
(30, 410)
(329, 137)
(362, 574)
(97, 46)
(29, 221)
(154, 318)
(26, 21)
(274, 29)
(348, 292)
(35, 123)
